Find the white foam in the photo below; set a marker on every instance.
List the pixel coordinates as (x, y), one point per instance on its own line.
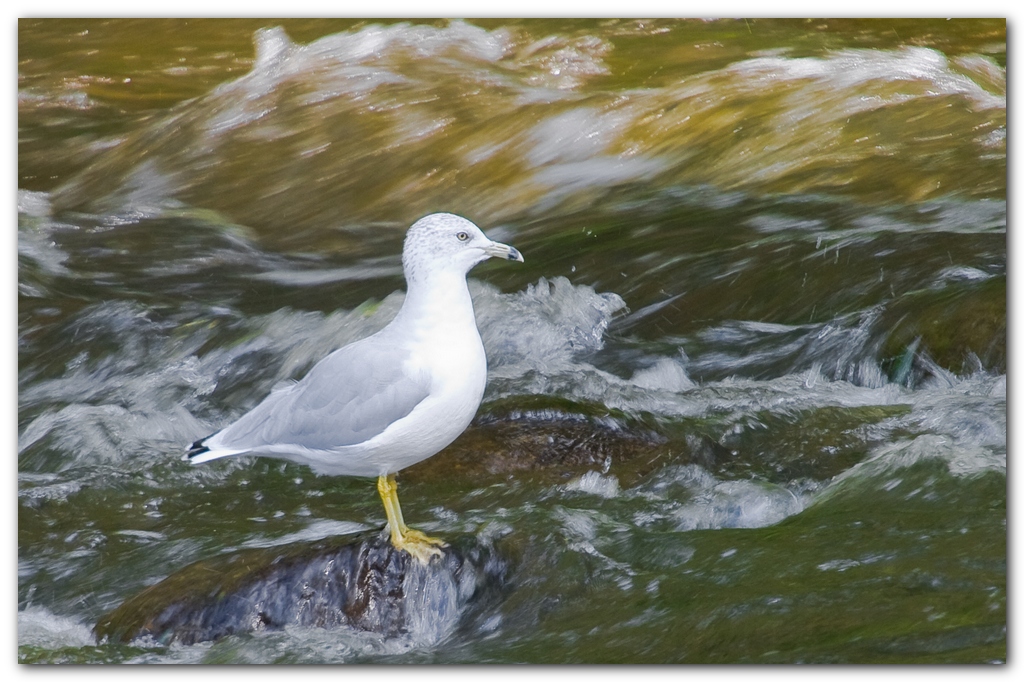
(40, 627)
(317, 530)
(845, 70)
(593, 483)
(543, 327)
(962, 460)
(666, 374)
(730, 504)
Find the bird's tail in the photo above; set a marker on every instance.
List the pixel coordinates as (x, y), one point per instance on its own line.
(199, 452)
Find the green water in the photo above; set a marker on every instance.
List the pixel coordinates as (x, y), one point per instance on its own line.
(765, 269)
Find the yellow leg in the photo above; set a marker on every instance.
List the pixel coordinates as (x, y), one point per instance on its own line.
(419, 545)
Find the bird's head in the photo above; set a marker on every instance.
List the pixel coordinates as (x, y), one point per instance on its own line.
(444, 241)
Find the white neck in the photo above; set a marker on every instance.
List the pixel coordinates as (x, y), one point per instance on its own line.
(447, 302)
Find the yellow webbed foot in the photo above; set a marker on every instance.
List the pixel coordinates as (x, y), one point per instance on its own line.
(421, 546)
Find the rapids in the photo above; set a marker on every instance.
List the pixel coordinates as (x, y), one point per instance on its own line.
(753, 370)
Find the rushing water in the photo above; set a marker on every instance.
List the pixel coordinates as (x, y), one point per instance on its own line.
(769, 256)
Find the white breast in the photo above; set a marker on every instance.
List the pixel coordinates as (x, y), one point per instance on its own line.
(458, 375)
(446, 351)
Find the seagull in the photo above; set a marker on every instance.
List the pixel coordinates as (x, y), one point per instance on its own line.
(385, 402)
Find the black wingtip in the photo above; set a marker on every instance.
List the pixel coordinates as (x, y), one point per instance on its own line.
(197, 448)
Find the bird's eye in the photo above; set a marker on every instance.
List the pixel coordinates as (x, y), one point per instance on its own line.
(462, 236)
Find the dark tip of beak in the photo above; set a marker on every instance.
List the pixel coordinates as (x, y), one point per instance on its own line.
(513, 254)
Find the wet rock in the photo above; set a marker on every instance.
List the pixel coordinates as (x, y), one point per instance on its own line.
(948, 324)
(546, 436)
(552, 439)
(812, 444)
(360, 582)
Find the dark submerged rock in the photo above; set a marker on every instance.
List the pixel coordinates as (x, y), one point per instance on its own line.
(360, 582)
(550, 439)
(949, 325)
(545, 436)
(816, 444)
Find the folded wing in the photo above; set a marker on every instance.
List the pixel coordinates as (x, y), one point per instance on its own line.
(349, 397)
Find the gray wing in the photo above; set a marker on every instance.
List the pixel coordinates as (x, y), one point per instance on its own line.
(347, 398)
